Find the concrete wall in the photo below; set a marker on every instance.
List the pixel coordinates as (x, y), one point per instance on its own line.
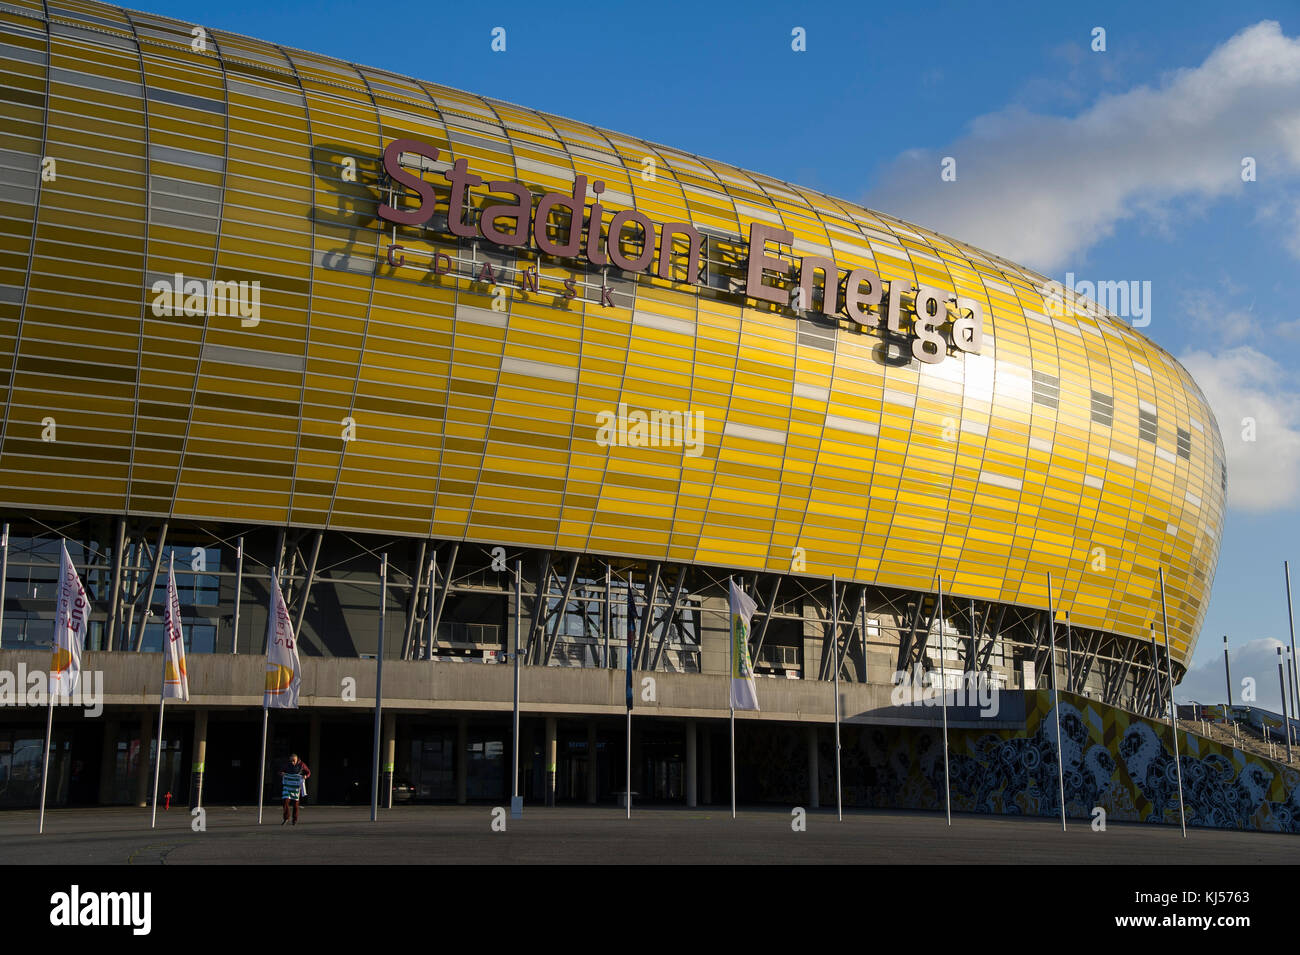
(223, 680)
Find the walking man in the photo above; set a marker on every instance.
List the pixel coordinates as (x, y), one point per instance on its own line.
(293, 782)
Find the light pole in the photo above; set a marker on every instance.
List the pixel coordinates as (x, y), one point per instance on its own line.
(516, 802)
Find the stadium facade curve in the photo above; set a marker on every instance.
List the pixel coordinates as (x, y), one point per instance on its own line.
(250, 292)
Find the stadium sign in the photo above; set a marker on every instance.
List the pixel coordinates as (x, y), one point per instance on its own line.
(555, 227)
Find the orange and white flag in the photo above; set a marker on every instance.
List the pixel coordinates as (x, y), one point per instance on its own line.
(283, 671)
(176, 683)
(70, 616)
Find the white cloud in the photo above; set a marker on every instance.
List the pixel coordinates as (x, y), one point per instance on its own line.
(1256, 659)
(1041, 189)
(1210, 312)
(1243, 383)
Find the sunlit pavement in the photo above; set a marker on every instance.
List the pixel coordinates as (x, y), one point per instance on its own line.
(465, 834)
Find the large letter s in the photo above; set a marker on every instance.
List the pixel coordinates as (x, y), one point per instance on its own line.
(393, 166)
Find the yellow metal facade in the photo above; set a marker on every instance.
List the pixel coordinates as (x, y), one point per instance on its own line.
(133, 148)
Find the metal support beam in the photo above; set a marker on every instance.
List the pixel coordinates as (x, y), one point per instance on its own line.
(560, 611)
(541, 596)
(1039, 651)
(442, 592)
(668, 616)
(1091, 647)
(906, 644)
(994, 637)
(153, 580)
(843, 651)
(305, 595)
(767, 617)
(115, 587)
(642, 644)
(279, 557)
(417, 580)
(914, 649)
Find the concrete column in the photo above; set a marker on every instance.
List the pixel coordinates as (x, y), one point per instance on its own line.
(550, 760)
(690, 764)
(200, 751)
(639, 783)
(591, 762)
(708, 766)
(462, 760)
(108, 762)
(313, 753)
(814, 780)
(527, 779)
(390, 753)
(144, 765)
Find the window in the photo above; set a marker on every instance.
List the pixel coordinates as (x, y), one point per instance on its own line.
(724, 261)
(1147, 423)
(1184, 444)
(1047, 389)
(1103, 409)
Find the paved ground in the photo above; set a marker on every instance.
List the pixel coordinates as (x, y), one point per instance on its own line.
(463, 834)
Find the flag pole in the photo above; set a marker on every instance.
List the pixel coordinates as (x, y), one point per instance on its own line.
(627, 791)
(71, 602)
(1056, 696)
(4, 575)
(835, 662)
(1286, 718)
(261, 769)
(1173, 710)
(379, 690)
(1290, 616)
(162, 696)
(239, 585)
(157, 763)
(943, 690)
(731, 700)
(516, 804)
(45, 766)
(627, 666)
(1227, 675)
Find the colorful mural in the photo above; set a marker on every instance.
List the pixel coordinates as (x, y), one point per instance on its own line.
(1111, 758)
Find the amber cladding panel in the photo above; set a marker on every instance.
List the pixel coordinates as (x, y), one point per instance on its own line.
(459, 403)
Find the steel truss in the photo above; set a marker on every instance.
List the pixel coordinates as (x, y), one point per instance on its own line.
(574, 606)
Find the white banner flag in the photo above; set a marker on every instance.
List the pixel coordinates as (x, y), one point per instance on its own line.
(743, 696)
(69, 629)
(176, 683)
(283, 671)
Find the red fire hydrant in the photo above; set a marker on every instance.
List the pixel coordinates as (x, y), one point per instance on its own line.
(167, 802)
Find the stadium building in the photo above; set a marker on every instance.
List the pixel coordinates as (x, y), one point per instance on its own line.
(264, 309)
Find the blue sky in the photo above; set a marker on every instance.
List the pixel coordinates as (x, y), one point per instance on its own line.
(1130, 158)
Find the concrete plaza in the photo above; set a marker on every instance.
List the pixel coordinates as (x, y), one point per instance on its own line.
(464, 834)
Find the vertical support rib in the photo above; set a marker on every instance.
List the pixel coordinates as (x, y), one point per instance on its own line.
(115, 589)
(412, 603)
(642, 644)
(668, 617)
(306, 587)
(767, 618)
(560, 612)
(442, 592)
(541, 596)
(153, 580)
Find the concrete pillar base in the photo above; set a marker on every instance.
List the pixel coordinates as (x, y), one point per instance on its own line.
(462, 760)
(550, 760)
(592, 779)
(200, 751)
(814, 777)
(691, 794)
